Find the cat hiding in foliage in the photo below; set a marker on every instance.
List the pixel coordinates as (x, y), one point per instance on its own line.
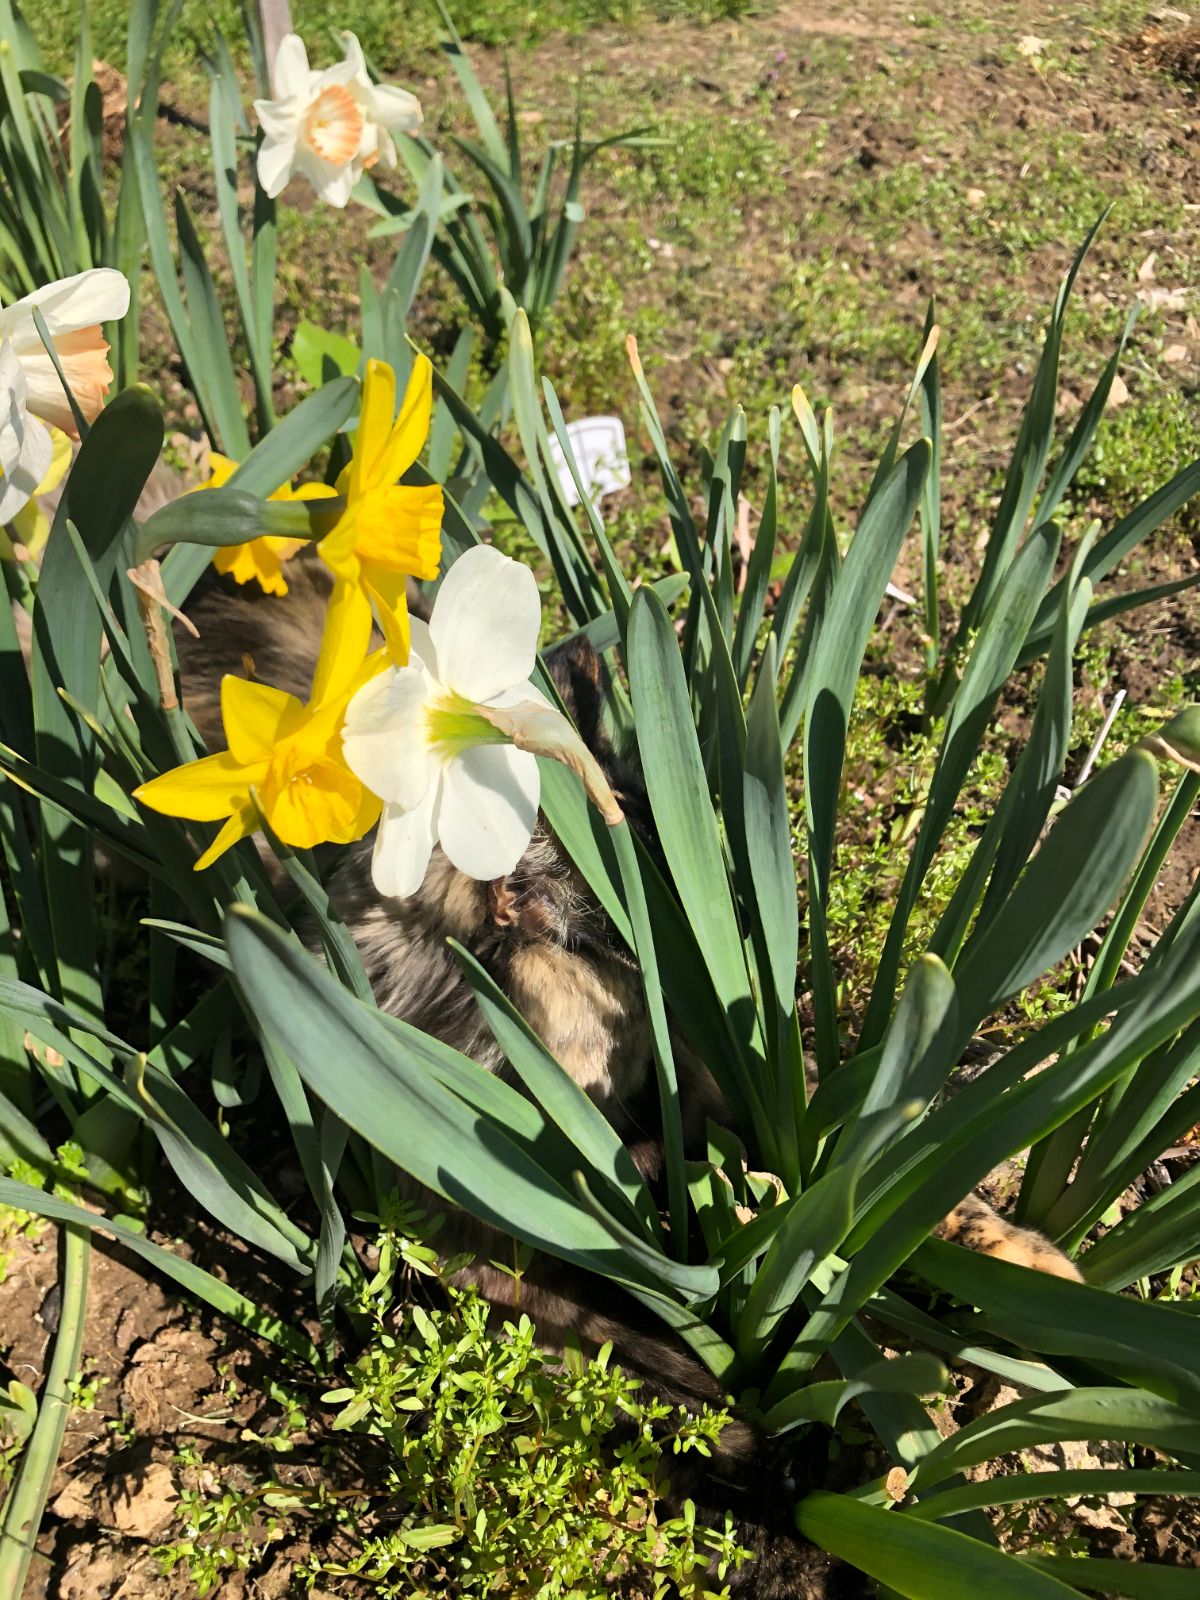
(549, 945)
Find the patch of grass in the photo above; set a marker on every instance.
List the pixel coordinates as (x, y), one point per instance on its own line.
(388, 38)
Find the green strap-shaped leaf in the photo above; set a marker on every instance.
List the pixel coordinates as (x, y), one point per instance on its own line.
(1029, 458)
(1002, 629)
(815, 1224)
(557, 1092)
(915, 1061)
(678, 791)
(1119, 541)
(1160, 1235)
(1150, 1343)
(1127, 1580)
(833, 680)
(920, 1560)
(1129, 1415)
(1070, 883)
(1094, 1481)
(399, 1098)
(823, 1402)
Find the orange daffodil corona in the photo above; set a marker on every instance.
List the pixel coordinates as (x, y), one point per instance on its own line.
(261, 560)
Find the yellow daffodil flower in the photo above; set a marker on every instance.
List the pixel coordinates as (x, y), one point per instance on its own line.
(388, 532)
(261, 560)
(30, 527)
(288, 753)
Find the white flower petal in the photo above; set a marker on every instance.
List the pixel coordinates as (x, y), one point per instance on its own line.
(404, 845)
(355, 59)
(291, 75)
(384, 737)
(275, 159)
(281, 119)
(101, 294)
(332, 183)
(485, 624)
(489, 805)
(421, 652)
(395, 109)
(26, 450)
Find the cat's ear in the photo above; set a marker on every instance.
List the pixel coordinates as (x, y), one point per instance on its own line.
(578, 674)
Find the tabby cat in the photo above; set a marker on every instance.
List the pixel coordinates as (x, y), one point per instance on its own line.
(550, 946)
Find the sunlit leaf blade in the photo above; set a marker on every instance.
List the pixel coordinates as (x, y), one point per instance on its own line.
(1128, 1415)
(920, 1560)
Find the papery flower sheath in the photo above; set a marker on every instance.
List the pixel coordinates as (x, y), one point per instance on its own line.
(388, 532)
(289, 754)
(261, 560)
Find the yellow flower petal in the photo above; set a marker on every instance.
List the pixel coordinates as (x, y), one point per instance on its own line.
(240, 826)
(201, 791)
(31, 528)
(31, 525)
(221, 469)
(256, 718)
(309, 799)
(388, 590)
(258, 561)
(345, 642)
(364, 819)
(59, 462)
(306, 491)
(411, 428)
(375, 416)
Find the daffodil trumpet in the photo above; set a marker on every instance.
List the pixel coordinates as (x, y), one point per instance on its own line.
(390, 531)
(284, 762)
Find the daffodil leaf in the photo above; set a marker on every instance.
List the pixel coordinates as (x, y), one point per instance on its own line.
(319, 354)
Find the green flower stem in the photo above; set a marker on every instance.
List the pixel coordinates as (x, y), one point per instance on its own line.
(27, 1498)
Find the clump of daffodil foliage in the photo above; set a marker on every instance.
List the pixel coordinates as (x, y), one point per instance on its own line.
(504, 1471)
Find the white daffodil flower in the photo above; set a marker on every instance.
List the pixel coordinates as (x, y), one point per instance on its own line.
(328, 126)
(25, 445)
(449, 742)
(418, 737)
(73, 309)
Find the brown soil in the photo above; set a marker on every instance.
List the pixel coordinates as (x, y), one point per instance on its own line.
(1177, 53)
(169, 1380)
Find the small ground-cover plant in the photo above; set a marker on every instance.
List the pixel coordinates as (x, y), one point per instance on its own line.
(493, 1468)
